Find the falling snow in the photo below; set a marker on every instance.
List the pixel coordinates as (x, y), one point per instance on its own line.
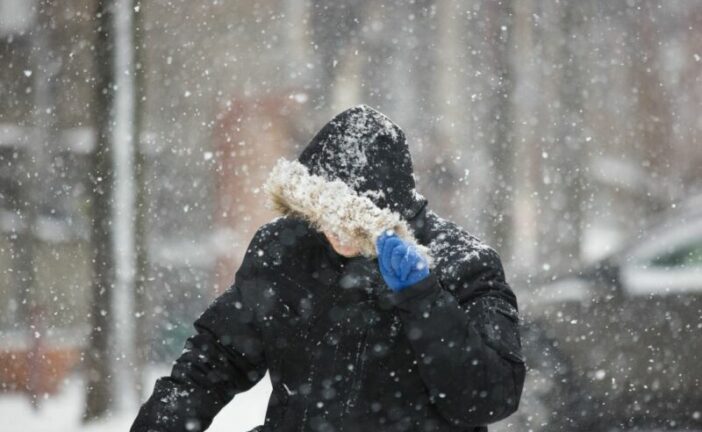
(557, 147)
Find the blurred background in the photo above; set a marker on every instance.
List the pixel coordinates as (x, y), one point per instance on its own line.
(135, 136)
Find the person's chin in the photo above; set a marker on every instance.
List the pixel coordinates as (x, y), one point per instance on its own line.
(347, 253)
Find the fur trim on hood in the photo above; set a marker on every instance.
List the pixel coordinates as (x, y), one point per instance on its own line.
(333, 206)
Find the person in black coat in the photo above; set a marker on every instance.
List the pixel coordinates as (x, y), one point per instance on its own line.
(369, 310)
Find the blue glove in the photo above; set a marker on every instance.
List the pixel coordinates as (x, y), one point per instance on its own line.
(400, 262)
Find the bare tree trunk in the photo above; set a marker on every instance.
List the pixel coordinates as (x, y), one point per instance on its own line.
(689, 155)
(39, 160)
(34, 165)
(297, 43)
(424, 112)
(570, 151)
(445, 92)
(141, 298)
(652, 110)
(501, 149)
(334, 27)
(99, 357)
(527, 99)
(124, 203)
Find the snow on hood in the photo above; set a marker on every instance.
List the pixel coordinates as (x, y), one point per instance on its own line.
(353, 179)
(366, 150)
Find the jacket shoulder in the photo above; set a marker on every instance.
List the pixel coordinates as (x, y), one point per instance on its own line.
(279, 241)
(463, 262)
(276, 246)
(451, 245)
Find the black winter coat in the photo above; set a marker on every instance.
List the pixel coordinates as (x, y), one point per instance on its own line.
(344, 352)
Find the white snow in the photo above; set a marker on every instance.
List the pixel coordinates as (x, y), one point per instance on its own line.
(62, 412)
(645, 282)
(453, 245)
(563, 290)
(599, 241)
(349, 153)
(13, 135)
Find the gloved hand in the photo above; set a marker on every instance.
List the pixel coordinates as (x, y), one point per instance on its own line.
(400, 262)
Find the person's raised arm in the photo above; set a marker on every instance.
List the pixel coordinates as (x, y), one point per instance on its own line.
(466, 338)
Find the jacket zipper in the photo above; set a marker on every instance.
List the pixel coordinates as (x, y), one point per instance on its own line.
(358, 369)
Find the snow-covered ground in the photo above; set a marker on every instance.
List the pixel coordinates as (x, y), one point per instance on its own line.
(62, 412)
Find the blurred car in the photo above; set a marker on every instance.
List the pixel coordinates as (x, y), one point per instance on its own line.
(618, 345)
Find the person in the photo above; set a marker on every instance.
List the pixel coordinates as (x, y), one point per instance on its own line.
(369, 311)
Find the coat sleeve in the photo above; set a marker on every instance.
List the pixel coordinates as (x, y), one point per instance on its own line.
(224, 357)
(464, 332)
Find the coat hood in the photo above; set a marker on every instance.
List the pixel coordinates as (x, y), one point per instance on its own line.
(354, 178)
(367, 151)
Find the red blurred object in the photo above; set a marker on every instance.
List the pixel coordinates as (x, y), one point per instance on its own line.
(35, 361)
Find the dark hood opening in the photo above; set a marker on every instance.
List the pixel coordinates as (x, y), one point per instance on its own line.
(367, 151)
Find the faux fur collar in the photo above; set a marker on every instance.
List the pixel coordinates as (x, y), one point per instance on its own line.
(333, 206)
